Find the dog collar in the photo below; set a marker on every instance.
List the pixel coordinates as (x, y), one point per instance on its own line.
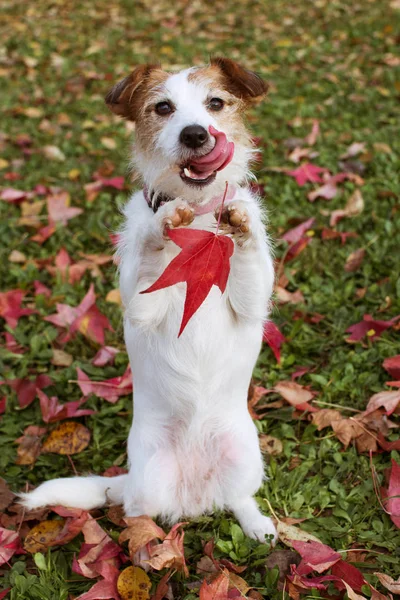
(155, 201)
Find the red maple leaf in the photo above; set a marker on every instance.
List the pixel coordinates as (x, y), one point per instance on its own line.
(10, 307)
(202, 263)
(307, 172)
(53, 411)
(26, 389)
(392, 501)
(295, 234)
(392, 366)
(59, 209)
(369, 326)
(110, 389)
(274, 338)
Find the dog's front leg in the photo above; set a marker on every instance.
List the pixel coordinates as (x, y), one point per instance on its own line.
(251, 279)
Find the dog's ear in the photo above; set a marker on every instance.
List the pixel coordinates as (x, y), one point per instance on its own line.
(242, 83)
(123, 98)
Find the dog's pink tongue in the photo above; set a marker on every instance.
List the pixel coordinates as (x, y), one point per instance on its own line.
(219, 157)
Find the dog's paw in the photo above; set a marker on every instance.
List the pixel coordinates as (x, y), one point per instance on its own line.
(259, 527)
(179, 214)
(235, 220)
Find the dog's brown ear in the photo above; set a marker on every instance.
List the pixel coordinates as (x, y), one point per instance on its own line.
(242, 83)
(123, 98)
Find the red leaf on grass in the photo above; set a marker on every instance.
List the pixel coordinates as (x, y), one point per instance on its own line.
(392, 366)
(217, 589)
(315, 555)
(105, 356)
(10, 307)
(369, 326)
(3, 404)
(307, 172)
(110, 389)
(392, 500)
(388, 400)
(351, 575)
(202, 263)
(102, 590)
(52, 411)
(40, 288)
(59, 209)
(9, 544)
(4, 593)
(85, 318)
(296, 233)
(13, 196)
(274, 338)
(26, 389)
(98, 555)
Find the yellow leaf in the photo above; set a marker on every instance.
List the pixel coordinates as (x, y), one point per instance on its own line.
(109, 143)
(17, 257)
(133, 584)
(4, 163)
(42, 536)
(114, 297)
(68, 438)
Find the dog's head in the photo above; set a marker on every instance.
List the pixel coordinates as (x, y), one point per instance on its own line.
(190, 134)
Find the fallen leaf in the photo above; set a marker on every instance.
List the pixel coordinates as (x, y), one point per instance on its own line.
(61, 358)
(110, 389)
(325, 418)
(202, 263)
(388, 400)
(312, 137)
(59, 209)
(6, 495)
(389, 583)
(296, 394)
(139, 532)
(316, 555)
(354, 207)
(52, 411)
(134, 584)
(105, 356)
(17, 257)
(9, 544)
(370, 327)
(285, 297)
(114, 296)
(170, 553)
(295, 234)
(47, 534)
(282, 559)
(27, 389)
(102, 590)
(353, 150)
(351, 593)
(217, 589)
(30, 444)
(99, 554)
(348, 574)
(68, 438)
(392, 500)
(354, 260)
(13, 196)
(10, 307)
(53, 153)
(392, 366)
(307, 172)
(274, 338)
(270, 445)
(288, 533)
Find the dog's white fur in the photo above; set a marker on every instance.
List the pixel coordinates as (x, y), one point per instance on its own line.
(193, 446)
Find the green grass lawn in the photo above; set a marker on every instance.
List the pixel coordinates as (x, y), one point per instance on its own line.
(328, 60)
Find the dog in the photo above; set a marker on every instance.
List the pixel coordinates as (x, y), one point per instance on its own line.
(193, 446)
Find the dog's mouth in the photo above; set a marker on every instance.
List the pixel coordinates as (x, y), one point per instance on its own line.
(202, 170)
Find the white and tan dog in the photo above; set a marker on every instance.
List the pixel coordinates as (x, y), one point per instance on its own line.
(193, 446)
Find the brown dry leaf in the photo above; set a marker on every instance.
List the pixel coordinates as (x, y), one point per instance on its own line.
(286, 297)
(206, 566)
(140, 531)
(347, 430)
(282, 559)
(61, 358)
(325, 417)
(354, 149)
(30, 445)
(238, 583)
(389, 583)
(375, 595)
(68, 438)
(108, 143)
(287, 533)
(293, 392)
(270, 444)
(354, 260)
(352, 594)
(30, 213)
(6, 495)
(381, 147)
(17, 257)
(114, 297)
(170, 553)
(134, 584)
(354, 207)
(388, 400)
(116, 515)
(366, 442)
(43, 536)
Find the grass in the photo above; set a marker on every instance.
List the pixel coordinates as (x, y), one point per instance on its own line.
(329, 60)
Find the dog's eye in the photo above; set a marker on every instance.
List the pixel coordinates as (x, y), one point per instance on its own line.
(163, 108)
(216, 104)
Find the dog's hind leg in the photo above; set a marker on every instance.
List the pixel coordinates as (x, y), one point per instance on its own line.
(253, 523)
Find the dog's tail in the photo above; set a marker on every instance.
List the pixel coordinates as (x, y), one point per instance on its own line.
(77, 492)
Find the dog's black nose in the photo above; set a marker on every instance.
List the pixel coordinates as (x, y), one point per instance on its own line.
(193, 136)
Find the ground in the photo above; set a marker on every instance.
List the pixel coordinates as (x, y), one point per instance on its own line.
(334, 62)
